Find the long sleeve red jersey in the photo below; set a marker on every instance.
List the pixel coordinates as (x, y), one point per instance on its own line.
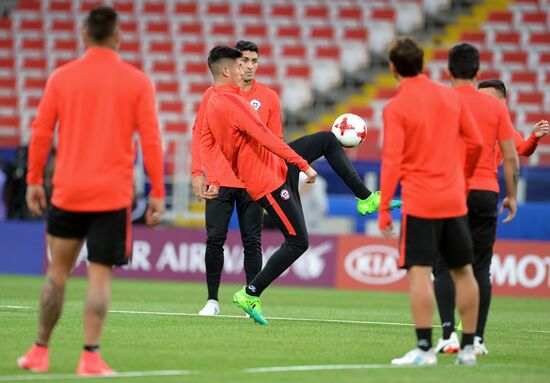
(266, 103)
(524, 147)
(256, 155)
(425, 126)
(100, 102)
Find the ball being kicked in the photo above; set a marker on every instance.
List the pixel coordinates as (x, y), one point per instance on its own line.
(350, 130)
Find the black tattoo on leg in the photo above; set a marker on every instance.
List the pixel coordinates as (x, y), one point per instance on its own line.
(51, 304)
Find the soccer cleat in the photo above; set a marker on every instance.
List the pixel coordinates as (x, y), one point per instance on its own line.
(448, 346)
(211, 308)
(479, 346)
(91, 364)
(372, 204)
(251, 305)
(467, 356)
(37, 359)
(416, 357)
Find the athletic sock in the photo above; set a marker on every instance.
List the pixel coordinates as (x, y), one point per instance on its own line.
(424, 336)
(467, 340)
(91, 348)
(43, 345)
(447, 330)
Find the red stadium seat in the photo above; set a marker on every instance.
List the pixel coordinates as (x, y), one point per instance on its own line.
(34, 63)
(267, 70)
(33, 44)
(7, 83)
(124, 6)
(285, 11)
(538, 18)
(253, 10)
(298, 71)
(294, 51)
(385, 93)
(321, 33)
(353, 33)
(154, 8)
(540, 38)
(171, 87)
(7, 63)
(60, 61)
(6, 44)
(158, 27)
(383, 14)
(365, 112)
(185, 9)
(544, 59)
(175, 127)
(532, 98)
(28, 5)
(199, 87)
(194, 48)
(31, 26)
(35, 83)
(330, 52)
(225, 30)
(86, 5)
(61, 6)
(478, 38)
(5, 25)
(289, 32)
(171, 106)
(164, 66)
(502, 17)
(508, 38)
(8, 101)
(255, 31)
(196, 68)
(524, 77)
(218, 9)
(489, 75)
(485, 57)
(65, 45)
(351, 13)
(128, 27)
(534, 117)
(130, 46)
(194, 29)
(63, 26)
(32, 102)
(514, 58)
(161, 47)
(315, 12)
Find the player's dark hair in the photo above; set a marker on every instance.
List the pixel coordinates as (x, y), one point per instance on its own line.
(464, 61)
(101, 23)
(244, 45)
(407, 55)
(219, 53)
(495, 84)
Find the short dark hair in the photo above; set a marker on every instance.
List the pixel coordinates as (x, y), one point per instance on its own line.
(495, 84)
(244, 45)
(464, 61)
(101, 23)
(407, 55)
(219, 53)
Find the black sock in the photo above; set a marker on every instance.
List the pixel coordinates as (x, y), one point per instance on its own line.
(41, 344)
(252, 290)
(447, 330)
(91, 348)
(424, 336)
(467, 340)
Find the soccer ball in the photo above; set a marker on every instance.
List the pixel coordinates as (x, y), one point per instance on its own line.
(350, 130)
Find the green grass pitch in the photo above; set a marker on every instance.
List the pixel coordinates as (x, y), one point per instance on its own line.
(223, 349)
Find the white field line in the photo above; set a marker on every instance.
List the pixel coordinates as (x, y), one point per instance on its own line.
(127, 374)
(358, 367)
(273, 318)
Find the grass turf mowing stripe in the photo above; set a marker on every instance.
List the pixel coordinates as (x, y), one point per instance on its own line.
(127, 374)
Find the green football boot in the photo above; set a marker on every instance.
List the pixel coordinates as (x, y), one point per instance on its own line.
(372, 204)
(250, 304)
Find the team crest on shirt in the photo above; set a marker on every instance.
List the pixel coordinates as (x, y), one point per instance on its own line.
(285, 194)
(256, 104)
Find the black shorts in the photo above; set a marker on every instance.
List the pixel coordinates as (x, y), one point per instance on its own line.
(108, 234)
(423, 239)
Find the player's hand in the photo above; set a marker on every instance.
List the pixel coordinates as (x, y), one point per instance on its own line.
(155, 210)
(212, 192)
(511, 205)
(36, 199)
(311, 175)
(198, 186)
(541, 129)
(385, 224)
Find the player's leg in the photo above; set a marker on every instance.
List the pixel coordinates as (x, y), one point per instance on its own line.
(250, 215)
(419, 248)
(64, 241)
(109, 243)
(457, 250)
(317, 145)
(482, 214)
(445, 296)
(283, 206)
(217, 216)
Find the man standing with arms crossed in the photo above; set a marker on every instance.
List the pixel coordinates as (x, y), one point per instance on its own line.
(425, 127)
(100, 102)
(496, 128)
(232, 192)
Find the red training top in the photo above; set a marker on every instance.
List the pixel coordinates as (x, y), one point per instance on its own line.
(494, 123)
(265, 101)
(100, 102)
(256, 155)
(425, 125)
(524, 147)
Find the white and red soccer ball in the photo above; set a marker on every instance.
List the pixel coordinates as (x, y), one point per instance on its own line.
(350, 130)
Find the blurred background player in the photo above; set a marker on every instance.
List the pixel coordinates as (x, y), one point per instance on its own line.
(232, 192)
(495, 125)
(267, 167)
(525, 148)
(428, 161)
(99, 102)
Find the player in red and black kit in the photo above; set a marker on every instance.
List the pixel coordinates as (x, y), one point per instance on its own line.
(268, 168)
(425, 126)
(495, 125)
(99, 102)
(232, 193)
